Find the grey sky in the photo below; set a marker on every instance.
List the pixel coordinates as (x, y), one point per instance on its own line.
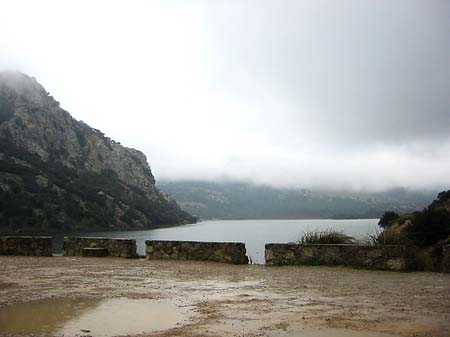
(340, 94)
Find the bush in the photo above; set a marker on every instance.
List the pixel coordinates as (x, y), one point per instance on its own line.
(389, 236)
(328, 236)
(423, 233)
(387, 219)
(429, 226)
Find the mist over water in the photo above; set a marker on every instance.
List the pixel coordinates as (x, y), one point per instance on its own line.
(292, 93)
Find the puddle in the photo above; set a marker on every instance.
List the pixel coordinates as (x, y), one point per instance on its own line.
(102, 318)
(217, 285)
(321, 332)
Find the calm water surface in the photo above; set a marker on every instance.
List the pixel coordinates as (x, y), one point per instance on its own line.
(91, 317)
(254, 233)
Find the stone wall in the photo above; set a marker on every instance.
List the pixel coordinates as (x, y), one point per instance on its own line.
(363, 256)
(228, 252)
(446, 258)
(26, 245)
(73, 246)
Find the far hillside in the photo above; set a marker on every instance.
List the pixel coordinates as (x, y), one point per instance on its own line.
(236, 200)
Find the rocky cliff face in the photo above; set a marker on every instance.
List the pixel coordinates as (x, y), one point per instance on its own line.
(57, 173)
(442, 201)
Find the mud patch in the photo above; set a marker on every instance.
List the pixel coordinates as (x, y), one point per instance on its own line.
(95, 317)
(321, 332)
(5, 285)
(227, 300)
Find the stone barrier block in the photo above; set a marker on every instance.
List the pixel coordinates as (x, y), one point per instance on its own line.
(94, 252)
(363, 256)
(228, 252)
(126, 248)
(26, 245)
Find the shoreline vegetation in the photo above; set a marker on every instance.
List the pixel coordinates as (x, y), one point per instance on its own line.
(424, 233)
(328, 236)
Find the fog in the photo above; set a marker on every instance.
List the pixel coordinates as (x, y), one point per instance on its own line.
(312, 94)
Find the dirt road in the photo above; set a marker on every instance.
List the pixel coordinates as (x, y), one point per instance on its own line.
(254, 300)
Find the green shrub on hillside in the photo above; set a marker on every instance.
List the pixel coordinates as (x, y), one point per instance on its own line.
(387, 219)
(423, 233)
(429, 227)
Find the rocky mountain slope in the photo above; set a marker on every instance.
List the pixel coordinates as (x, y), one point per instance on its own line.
(57, 173)
(237, 200)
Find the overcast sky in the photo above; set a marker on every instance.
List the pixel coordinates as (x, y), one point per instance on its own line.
(335, 94)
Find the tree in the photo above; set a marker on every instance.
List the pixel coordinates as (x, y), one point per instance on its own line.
(430, 226)
(387, 219)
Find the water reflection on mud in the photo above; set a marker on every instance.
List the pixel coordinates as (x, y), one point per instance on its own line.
(97, 317)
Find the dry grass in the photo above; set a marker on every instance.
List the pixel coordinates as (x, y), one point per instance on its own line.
(390, 236)
(328, 236)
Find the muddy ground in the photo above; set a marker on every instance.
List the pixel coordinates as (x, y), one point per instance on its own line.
(254, 300)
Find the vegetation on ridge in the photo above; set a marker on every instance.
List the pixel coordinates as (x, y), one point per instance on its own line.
(423, 232)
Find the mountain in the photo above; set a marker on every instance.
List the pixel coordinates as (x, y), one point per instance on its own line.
(236, 200)
(57, 173)
(441, 202)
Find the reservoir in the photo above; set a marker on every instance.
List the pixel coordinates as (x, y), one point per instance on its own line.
(254, 233)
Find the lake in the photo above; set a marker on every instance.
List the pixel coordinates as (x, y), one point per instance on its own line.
(254, 233)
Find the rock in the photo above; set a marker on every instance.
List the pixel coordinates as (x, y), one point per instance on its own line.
(26, 245)
(87, 246)
(363, 256)
(94, 252)
(228, 252)
(65, 175)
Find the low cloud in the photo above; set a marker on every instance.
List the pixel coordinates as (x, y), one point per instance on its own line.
(290, 93)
